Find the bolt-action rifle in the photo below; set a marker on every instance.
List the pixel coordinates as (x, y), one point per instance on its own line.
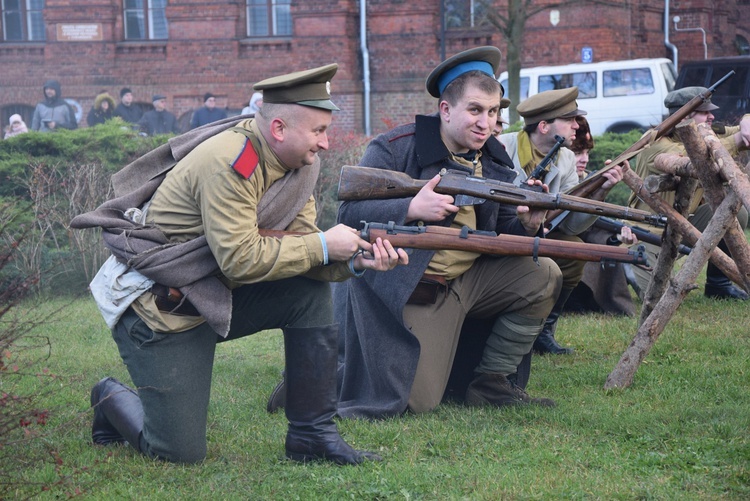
(643, 234)
(539, 170)
(365, 183)
(593, 182)
(488, 242)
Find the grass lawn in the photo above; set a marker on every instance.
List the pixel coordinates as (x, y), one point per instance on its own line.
(680, 432)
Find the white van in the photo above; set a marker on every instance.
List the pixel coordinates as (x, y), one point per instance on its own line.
(619, 96)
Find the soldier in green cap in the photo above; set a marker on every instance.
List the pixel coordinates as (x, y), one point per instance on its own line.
(547, 115)
(734, 139)
(198, 271)
(402, 329)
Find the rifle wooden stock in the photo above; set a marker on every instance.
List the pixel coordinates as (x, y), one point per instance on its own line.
(442, 238)
(485, 242)
(366, 183)
(592, 183)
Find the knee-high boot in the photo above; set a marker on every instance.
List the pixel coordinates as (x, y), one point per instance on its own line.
(118, 414)
(718, 285)
(311, 398)
(545, 342)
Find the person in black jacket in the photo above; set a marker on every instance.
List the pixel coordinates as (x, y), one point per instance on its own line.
(126, 110)
(159, 120)
(103, 110)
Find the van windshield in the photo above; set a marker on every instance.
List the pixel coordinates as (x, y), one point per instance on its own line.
(629, 82)
(585, 81)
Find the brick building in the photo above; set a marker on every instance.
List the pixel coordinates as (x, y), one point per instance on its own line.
(184, 48)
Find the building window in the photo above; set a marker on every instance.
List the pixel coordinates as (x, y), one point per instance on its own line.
(465, 13)
(146, 20)
(23, 21)
(269, 18)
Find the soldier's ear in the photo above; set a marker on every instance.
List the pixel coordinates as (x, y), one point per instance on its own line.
(278, 129)
(445, 110)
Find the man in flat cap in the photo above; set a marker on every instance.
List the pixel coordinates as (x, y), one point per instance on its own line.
(734, 139)
(159, 120)
(546, 115)
(207, 113)
(402, 328)
(191, 268)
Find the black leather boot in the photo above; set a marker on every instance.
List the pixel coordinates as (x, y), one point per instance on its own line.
(277, 400)
(718, 286)
(311, 398)
(118, 414)
(545, 342)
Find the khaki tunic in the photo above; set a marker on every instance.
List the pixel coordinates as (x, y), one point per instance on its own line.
(203, 194)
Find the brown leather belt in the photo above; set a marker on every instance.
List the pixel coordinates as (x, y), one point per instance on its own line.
(171, 300)
(428, 289)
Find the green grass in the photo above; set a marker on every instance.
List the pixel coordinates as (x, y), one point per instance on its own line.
(680, 432)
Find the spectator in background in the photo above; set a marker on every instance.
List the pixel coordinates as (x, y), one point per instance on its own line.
(17, 126)
(103, 110)
(256, 101)
(53, 112)
(207, 113)
(159, 120)
(126, 110)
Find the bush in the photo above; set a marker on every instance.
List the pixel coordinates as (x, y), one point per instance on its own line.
(345, 149)
(111, 145)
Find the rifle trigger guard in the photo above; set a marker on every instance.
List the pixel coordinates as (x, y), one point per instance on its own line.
(535, 252)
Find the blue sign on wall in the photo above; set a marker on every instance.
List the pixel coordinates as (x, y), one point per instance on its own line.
(587, 54)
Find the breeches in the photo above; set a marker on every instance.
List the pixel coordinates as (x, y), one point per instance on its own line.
(493, 286)
(172, 371)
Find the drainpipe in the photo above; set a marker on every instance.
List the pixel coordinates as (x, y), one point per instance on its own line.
(669, 45)
(365, 62)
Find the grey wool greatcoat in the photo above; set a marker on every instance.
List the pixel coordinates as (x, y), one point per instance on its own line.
(380, 353)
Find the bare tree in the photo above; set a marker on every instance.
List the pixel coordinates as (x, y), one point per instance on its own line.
(511, 23)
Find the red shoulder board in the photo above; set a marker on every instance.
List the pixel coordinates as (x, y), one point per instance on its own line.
(246, 161)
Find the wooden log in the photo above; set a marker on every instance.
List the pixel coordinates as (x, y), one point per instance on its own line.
(689, 232)
(649, 331)
(668, 254)
(677, 165)
(712, 177)
(660, 184)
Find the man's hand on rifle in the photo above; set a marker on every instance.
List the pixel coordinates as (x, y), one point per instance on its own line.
(344, 242)
(382, 257)
(613, 176)
(429, 206)
(626, 236)
(532, 219)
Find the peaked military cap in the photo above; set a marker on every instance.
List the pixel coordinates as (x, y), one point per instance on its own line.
(504, 103)
(157, 97)
(550, 104)
(485, 59)
(679, 98)
(308, 87)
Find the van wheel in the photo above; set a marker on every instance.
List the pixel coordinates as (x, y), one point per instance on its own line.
(625, 128)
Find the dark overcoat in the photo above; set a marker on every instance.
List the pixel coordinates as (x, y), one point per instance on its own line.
(380, 353)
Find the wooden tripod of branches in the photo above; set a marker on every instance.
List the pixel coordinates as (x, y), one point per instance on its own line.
(726, 187)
